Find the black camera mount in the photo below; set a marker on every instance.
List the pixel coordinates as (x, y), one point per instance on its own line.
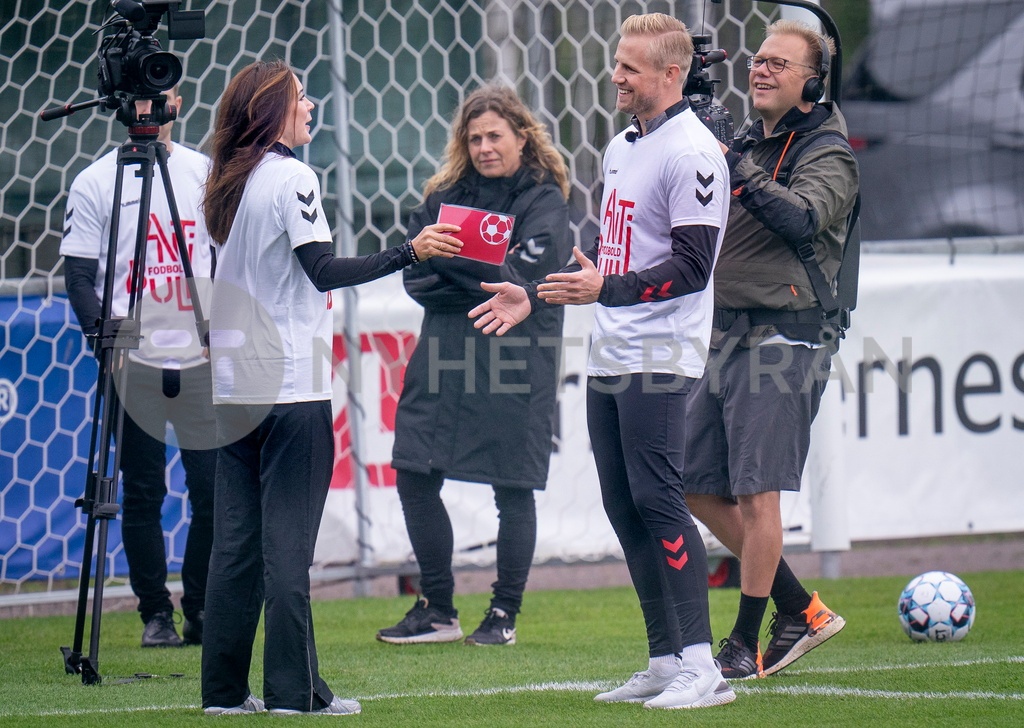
(700, 89)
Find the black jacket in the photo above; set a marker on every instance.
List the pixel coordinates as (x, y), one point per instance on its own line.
(462, 415)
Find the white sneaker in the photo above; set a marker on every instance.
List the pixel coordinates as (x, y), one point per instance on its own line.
(642, 686)
(338, 706)
(252, 704)
(694, 689)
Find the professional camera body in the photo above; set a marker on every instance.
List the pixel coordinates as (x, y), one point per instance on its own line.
(131, 63)
(700, 90)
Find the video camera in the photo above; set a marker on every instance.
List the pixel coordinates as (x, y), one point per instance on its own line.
(700, 90)
(130, 60)
(131, 66)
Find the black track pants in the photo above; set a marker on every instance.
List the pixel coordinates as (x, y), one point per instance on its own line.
(637, 424)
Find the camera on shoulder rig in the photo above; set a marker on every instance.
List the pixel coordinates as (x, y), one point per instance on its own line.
(700, 90)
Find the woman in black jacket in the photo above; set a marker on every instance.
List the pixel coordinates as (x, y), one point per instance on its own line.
(473, 407)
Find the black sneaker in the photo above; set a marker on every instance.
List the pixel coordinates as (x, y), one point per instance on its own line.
(497, 629)
(736, 660)
(422, 623)
(160, 632)
(192, 630)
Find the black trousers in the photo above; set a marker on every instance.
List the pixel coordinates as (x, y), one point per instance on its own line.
(637, 427)
(430, 531)
(270, 493)
(156, 397)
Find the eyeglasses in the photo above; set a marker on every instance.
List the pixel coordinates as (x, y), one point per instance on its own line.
(775, 65)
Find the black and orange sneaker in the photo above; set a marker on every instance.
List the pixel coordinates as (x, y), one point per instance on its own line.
(793, 636)
(736, 661)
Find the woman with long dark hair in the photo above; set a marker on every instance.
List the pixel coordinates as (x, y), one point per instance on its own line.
(270, 348)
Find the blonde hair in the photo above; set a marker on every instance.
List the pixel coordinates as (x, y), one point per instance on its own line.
(670, 40)
(810, 36)
(539, 153)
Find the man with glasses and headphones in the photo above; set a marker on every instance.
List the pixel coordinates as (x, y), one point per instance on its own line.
(794, 184)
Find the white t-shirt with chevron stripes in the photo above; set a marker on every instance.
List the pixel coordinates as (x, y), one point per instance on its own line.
(271, 329)
(674, 176)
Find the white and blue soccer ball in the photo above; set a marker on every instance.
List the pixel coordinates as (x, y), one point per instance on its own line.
(936, 607)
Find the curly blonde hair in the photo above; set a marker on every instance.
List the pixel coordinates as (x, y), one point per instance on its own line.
(539, 153)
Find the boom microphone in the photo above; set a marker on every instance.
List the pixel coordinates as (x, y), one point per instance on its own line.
(716, 56)
(129, 10)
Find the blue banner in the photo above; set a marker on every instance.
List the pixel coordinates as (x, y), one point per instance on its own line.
(47, 394)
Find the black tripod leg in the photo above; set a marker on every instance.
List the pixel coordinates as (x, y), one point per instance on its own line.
(115, 339)
(73, 654)
(202, 325)
(99, 441)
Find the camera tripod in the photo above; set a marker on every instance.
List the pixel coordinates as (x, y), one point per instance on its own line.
(116, 337)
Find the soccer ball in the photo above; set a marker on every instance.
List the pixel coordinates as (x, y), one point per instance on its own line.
(936, 607)
(496, 229)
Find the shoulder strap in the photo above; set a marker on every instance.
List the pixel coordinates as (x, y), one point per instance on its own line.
(849, 269)
(831, 304)
(804, 144)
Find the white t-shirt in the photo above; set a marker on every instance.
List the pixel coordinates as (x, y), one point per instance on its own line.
(270, 328)
(676, 175)
(169, 333)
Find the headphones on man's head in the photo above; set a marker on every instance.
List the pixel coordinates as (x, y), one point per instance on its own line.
(814, 87)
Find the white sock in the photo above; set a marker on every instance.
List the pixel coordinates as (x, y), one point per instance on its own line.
(664, 665)
(699, 657)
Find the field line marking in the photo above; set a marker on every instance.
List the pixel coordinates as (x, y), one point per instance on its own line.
(593, 686)
(906, 666)
(832, 691)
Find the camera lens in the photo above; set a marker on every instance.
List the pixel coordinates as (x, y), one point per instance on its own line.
(159, 71)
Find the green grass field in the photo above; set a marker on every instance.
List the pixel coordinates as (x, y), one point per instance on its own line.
(572, 644)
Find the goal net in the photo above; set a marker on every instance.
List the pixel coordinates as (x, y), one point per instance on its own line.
(386, 76)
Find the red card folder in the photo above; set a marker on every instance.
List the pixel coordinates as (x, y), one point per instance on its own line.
(485, 234)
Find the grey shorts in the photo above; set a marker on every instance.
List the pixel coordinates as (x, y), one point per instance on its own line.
(748, 432)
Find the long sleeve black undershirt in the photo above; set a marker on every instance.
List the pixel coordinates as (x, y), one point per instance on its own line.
(688, 270)
(79, 282)
(328, 272)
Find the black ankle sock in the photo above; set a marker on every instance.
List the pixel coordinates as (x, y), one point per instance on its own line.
(444, 606)
(748, 620)
(788, 593)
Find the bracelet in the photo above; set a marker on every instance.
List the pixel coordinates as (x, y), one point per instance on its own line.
(412, 253)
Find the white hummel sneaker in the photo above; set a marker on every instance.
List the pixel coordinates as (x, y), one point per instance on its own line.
(338, 706)
(642, 686)
(694, 689)
(252, 704)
